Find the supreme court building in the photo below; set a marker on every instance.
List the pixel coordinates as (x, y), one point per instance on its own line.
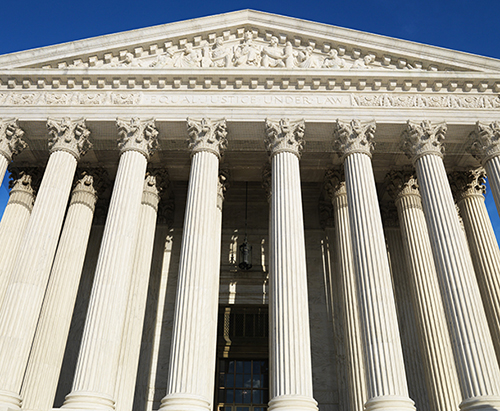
(249, 212)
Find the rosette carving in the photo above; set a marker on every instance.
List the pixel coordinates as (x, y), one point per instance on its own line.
(207, 135)
(11, 142)
(484, 142)
(137, 135)
(468, 183)
(69, 135)
(284, 135)
(424, 138)
(353, 137)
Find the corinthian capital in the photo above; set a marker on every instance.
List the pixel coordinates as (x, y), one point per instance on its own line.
(484, 141)
(335, 183)
(284, 135)
(468, 183)
(401, 183)
(69, 135)
(353, 137)
(421, 139)
(11, 142)
(137, 135)
(85, 189)
(207, 135)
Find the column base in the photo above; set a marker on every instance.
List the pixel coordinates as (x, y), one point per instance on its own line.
(483, 403)
(293, 403)
(88, 400)
(9, 401)
(390, 402)
(184, 402)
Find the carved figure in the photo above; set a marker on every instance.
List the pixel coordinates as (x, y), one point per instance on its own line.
(221, 56)
(272, 55)
(189, 58)
(164, 60)
(247, 53)
(333, 61)
(363, 63)
(129, 61)
(206, 59)
(305, 58)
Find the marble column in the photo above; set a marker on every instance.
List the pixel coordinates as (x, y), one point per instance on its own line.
(14, 221)
(11, 143)
(28, 280)
(386, 377)
(138, 292)
(335, 184)
(484, 144)
(477, 366)
(440, 369)
(42, 373)
(98, 360)
(290, 351)
(191, 368)
(469, 188)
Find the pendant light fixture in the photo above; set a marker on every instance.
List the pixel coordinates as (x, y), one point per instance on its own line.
(245, 248)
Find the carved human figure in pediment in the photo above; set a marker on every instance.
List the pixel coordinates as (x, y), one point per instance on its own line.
(247, 53)
(273, 55)
(164, 60)
(333, 61)
(222, 56)
(129, 61)
(363, 63)
(306, 59)
(189, 58)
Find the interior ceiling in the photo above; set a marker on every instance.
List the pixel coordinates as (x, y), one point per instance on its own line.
(245, 155)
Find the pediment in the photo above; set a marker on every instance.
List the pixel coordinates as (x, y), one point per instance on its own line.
(245, 40)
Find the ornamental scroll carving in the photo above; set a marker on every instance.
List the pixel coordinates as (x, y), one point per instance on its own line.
(284, 135)
(484, 142)
(468, 183)
(353, 137)
(137, 135)
(207, 135)
(69, 135)
(11, 142)
(424, 138)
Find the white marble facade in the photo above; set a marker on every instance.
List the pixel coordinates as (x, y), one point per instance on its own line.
(353, 164)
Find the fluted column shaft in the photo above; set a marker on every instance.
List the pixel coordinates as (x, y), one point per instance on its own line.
(476, 362)
(42, 374)
(492, 168)
(438, 361)
(188, 388)
(3, 167)
(485, 257)
(97, 365)
(383, 355)
(28, 280)
(352, 324)
(192, 366)
(137, 298)
(12, 227)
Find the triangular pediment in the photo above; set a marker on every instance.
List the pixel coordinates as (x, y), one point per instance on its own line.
(247, 39)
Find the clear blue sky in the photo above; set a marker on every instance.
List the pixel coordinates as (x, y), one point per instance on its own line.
(464, 25)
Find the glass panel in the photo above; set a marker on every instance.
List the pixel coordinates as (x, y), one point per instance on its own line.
(248, 367)
(230, 380)
(231, 366)
(256, 381)
(256, 367)
(247, 397)
(238, 396)
(239, 367)
(257, 397)
(259, 409)
(239, 380)
(248, 381)
(229, 396)
(227, 408)
(242, 408)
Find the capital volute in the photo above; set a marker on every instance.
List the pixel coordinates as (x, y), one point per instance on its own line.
(401, 183)
(469, 183)
(335, 183)
(11, 142)
(88, 183)
(284, 135)
(139, 135)
(424, 138)
(22, 191)
(353, 137)
(156, 183)
(207, 135)
(484, 142)
(69, 135)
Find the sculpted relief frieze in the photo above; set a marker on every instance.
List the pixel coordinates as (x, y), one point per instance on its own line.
(249, 50)
(105, 98)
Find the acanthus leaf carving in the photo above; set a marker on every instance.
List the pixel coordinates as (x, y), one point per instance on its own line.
(207, 135)
(424, 138)
(401, 183)
(137, 135)
(11, 138)
(284, 135)
(484, 142)
(335, 183)
(69, 135)
(468, 183)
(353, 137)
